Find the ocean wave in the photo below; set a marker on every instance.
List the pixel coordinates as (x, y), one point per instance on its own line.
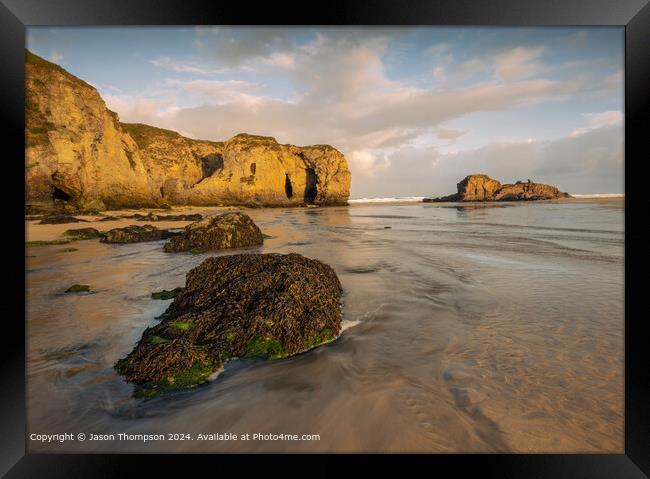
(599, 195)
(403, 199)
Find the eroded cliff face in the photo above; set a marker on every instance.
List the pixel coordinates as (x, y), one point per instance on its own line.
(76, 149)
(484, 188)
(78, 153)
(258, 170)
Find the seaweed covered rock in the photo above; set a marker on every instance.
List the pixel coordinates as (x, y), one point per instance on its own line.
(83, 233)
(248, 306)
(156, 217)
(59, 219)
(228, 230)
(136, 234)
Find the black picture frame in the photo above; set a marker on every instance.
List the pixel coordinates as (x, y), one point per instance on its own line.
(634, 15)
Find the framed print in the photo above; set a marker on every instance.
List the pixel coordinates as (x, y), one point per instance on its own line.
(375, 229)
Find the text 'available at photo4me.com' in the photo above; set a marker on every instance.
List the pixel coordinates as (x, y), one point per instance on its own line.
(146, 438)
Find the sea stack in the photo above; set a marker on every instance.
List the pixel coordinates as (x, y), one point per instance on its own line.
(481, 187)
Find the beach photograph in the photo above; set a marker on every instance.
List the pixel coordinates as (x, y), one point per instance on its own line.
(324, 239)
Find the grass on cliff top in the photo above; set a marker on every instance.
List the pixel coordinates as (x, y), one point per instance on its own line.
(140, 131)
(32, 59)
(144, 134)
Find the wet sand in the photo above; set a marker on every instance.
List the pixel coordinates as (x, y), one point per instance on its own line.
(470, 328)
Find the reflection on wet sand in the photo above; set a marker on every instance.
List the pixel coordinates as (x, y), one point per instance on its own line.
(473, 329)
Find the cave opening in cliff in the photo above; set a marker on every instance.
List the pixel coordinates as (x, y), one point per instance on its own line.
(288, 189)
(211, 163)
(311, 189)
(59, 194)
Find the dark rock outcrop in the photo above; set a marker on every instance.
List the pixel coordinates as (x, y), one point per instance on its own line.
(484, 188)
(238, 306)
(60, 219)
(136, 234)
(228, 230)
(83, 233)
(155, 217)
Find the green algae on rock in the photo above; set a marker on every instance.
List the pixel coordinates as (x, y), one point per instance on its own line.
(263, 306)
(227, 230)
(166, 294)
(135, 234)
(78, 288)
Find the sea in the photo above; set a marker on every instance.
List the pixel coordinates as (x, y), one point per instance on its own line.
(468, 327)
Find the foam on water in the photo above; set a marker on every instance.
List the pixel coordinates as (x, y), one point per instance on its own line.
(401, 199)
(599, 195)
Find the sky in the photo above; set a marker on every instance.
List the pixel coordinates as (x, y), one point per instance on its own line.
(414, 110)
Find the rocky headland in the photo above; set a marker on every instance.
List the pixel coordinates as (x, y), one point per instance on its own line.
(80, 157)
(484, 188)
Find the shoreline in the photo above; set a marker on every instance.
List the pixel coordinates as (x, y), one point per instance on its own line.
(51, 232)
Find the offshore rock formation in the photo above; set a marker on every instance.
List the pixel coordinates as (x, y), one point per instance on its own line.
(228, 230)
(266, 306)
(79, 156)
(484, 188)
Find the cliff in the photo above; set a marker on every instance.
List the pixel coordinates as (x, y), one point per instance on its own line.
(76, 149)
(80, 155)
(484, 188)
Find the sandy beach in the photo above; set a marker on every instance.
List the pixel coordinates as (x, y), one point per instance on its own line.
(467, 328)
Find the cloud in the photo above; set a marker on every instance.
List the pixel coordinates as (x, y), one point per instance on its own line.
(391, 129)
(217, 91)
(283, 60)
(590, 163)
(518, 64)
(450, 134)
(439, 48)
(180, 66)
(599, 120)
(439, 74)
(56, 57)
(233, 47)
(606, 118)
(472, 66)
(366, 163)
(136, 109)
